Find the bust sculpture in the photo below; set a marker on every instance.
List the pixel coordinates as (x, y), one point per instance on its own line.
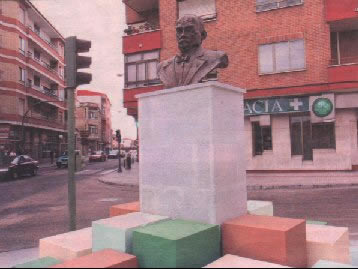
(193, 63)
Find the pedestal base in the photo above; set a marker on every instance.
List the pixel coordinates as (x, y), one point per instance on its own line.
(193, 155)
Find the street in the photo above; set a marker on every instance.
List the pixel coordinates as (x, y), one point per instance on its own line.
(34, 208)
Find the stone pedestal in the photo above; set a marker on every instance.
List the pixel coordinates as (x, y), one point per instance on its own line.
(193, 153)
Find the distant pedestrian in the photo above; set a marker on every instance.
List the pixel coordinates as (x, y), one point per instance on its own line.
(52, 156)
(129, 161)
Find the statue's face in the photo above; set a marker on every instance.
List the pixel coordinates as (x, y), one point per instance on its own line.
(188, 35)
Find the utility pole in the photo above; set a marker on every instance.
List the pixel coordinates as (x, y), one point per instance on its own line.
(73, 46)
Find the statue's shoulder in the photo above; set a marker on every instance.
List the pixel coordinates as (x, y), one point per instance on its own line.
(217, 56)
(166, 63)
(214, 53)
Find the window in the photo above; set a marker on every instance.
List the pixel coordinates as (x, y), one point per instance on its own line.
(203, 8)
(22, 45)
(60, 116)
(262, 138)
(141, 69)
(306, 136)
(343, 47)
(37, 55)
(37, 29)
(282, 57)
(93, 129)
(92, 114)
(265, 5)
(22, 75)
(21, 106)
(323, 136)
(37, 81)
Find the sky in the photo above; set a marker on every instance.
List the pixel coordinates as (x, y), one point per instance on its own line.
(102, 22)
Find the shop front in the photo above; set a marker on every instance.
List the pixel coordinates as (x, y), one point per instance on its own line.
(302, 132)
(37, 143)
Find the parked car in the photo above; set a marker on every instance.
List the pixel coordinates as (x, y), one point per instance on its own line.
(113, 154)
(62, 161)
(98, 156)
(23, 165)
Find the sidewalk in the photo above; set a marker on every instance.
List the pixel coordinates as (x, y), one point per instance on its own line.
(258, 180)
(126, 178)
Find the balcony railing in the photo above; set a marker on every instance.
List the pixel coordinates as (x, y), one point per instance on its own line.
(141, 28)
(38, 33)
(44, 64)
(49, 92)
(344, 60)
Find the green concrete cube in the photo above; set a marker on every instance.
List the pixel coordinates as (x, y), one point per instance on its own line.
(177, 244)
(45, 262)
(315, 222)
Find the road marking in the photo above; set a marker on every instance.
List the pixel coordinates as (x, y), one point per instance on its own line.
(109, 200)
(88, 172)
(108, 172)
(12, 220)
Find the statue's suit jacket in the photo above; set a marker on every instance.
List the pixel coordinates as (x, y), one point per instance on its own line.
(200, 64)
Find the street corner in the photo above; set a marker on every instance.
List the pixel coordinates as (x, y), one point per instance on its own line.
(128, 178)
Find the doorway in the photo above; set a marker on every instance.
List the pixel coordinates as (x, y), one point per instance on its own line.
(301, 137)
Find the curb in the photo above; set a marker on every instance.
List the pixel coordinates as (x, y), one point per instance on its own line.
(299, 186)
(258, 187)
(110, 183)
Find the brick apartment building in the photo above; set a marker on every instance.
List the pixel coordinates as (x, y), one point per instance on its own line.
(297, 59)
(93, 120)
(32, 107)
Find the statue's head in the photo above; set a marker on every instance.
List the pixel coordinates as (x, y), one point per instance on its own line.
(190, 32)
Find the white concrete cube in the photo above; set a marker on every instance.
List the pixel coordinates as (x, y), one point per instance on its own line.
(327, 243)
(116, 233)
(67, 246)
(193, 153)
(231, 261)
(260, 208)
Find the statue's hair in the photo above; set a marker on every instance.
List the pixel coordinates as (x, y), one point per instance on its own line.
(197, 20)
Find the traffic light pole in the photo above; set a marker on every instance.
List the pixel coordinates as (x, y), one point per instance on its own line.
(71, 159)
(120, 162)
(74, 46)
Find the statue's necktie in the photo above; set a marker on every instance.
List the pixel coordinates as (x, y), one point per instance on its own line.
(182, 59)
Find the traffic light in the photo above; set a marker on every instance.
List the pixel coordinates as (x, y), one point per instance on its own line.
(119, 136)
(73, 46)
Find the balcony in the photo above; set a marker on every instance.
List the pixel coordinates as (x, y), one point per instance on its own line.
(52, 72)
(142, 16)
(142, 42)
(141, 6)
(338, 10)
(44, 90)
(40, 35)
(343, 73)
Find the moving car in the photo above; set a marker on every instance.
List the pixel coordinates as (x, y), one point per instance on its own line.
(98, 156)
(113, 154)
(62, 161)
(23, 165)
